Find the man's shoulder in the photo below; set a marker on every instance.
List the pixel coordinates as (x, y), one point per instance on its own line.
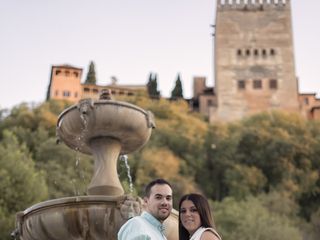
(134, 226)
(135, 221)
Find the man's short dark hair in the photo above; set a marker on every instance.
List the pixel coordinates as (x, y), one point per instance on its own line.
(159, 181)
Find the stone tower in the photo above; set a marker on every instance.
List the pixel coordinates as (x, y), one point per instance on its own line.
(254, 58)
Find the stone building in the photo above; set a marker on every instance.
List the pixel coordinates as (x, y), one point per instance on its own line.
(65, 83)
(309, 105)
(254, 63)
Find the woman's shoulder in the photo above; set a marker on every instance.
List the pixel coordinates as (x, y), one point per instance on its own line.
(210, 234)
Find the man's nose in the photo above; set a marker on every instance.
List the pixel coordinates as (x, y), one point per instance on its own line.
(164, 201)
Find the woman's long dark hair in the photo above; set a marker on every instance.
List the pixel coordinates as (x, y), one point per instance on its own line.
(202, 205)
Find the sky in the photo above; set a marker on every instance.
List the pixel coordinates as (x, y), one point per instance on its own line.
(127, 39)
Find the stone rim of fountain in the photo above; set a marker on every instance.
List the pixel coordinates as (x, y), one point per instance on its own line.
(85, 106)
(75, 199)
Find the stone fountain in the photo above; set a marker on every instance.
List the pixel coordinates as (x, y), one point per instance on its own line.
(105, 129)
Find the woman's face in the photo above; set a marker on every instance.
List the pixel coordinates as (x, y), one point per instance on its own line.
(189, 216)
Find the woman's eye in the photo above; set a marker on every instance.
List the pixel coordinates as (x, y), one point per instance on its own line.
(193, 210)
(183, 211)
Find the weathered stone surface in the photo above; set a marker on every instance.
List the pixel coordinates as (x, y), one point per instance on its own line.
(253, 42)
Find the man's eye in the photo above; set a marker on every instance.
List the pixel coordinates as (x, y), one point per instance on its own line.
(158, 197)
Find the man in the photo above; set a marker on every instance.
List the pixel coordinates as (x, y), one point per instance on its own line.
(158, 206)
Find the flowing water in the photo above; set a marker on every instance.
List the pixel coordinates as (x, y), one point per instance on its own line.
(78, 189)
(124, 158)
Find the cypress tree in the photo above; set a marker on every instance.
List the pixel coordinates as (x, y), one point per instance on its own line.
(91, 76)
(152, 85)
(149, 84)
(177, 91)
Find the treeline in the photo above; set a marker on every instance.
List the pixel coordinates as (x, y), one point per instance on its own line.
(260, 174)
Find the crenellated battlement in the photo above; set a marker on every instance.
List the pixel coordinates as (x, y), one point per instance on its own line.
(252, 4)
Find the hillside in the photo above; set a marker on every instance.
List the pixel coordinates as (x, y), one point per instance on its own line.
(259, 172)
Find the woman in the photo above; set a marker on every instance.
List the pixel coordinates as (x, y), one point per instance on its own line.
(195, 220)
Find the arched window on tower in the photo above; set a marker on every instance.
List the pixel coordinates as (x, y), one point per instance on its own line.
(239, 52)
(66, 93)
(272, 52)
(264, 53)
(241, 84)
(248, 52)
(256, 52)
(257, 84)
(273, 84)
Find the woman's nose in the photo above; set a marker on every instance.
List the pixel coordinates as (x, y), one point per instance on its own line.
(187, 213)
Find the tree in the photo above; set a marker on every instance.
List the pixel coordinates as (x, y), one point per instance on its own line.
(152, 86)
(91, 76)
(177, 90)
(220, 146)
(21, 184)
(250, 220)
(243, 180)
(67, 172)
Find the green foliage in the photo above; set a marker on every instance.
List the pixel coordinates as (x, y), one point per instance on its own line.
(20, 183)
(280, 203)
(29, 119)
(243, 180)
(91, 75)
(67, 172)
(177, 91)
(152, 86)
(250, 220)
(269, 151)
(220, 146)
(315, 225)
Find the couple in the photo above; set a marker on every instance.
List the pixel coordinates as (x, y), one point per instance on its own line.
(195, 221)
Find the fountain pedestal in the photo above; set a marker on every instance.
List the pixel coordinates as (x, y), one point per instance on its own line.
(105, 180)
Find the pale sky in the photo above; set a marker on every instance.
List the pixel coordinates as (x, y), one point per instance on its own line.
(127, 39)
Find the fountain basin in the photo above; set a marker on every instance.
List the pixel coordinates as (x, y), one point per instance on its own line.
(79, 218)
(82, 217)
(125, 122)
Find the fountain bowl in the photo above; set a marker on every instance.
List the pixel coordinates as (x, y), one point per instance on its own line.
(80, 217)
(79, 124)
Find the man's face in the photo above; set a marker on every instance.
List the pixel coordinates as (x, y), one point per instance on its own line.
(159, 203)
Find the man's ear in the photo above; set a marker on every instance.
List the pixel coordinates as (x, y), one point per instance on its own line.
(145, 200)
